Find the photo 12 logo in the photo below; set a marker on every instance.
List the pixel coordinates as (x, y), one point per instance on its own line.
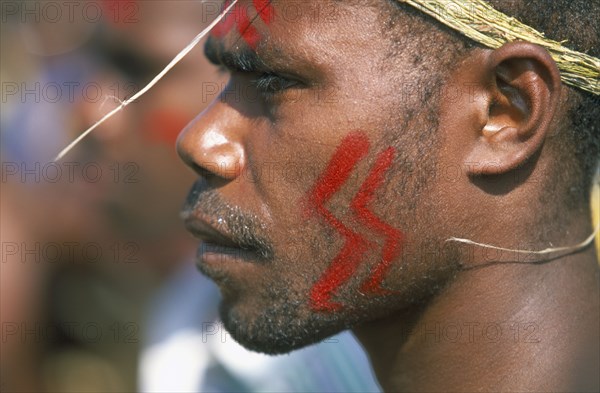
(70, 252)
(66, 92)
(70, 172)
(28, 11)
(88, 332)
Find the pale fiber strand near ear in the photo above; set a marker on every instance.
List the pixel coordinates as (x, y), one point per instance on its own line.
(153, 82)
(484, 24)
(576, 247)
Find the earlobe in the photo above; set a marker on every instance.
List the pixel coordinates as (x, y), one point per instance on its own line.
(523, 88)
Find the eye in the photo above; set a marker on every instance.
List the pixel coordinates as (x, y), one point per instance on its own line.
(270, 84)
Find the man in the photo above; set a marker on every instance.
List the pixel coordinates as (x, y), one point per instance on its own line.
(353, 140)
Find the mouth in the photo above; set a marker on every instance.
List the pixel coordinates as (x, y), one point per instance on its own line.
(217, 248)
(201, 228)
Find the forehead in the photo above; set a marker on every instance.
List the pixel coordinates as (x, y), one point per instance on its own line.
(293, 11)
(280, 29)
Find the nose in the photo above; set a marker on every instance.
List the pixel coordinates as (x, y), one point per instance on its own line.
(212, 144)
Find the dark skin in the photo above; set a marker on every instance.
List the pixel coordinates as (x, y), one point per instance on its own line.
(324, 82)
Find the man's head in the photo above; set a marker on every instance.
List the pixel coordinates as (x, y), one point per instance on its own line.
(354, 137)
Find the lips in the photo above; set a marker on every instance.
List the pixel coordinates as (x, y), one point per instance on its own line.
(227, 232)
(218, 248)
(202, 229)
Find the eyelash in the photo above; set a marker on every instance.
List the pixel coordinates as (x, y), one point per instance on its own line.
(267, 84)
(270, 84)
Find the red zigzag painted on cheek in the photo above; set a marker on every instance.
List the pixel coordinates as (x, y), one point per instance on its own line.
(394, 237)
(239, 16)
(353, 149)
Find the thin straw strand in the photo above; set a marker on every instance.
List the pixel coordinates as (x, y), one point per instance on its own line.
(154, 81)
(551, 250)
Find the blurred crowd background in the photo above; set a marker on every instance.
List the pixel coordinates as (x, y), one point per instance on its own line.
(98, 288)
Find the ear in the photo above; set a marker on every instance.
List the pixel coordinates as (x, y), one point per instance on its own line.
(521, 84)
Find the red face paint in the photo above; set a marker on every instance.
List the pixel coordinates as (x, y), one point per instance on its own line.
(265, 10)
(393, 242)
(239, 17)
(164, 125)
(227, 23)
(120, 12)
(353, 148)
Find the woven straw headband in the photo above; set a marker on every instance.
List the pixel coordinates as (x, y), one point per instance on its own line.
(485, 25)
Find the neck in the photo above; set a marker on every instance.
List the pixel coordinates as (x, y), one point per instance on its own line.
(501, 327)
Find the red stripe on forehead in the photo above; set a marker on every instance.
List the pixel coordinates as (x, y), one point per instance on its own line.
(227, 23)
(246, 30)
(265, 10)
(239, 17)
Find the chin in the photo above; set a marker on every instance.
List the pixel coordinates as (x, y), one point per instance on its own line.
(279, 328)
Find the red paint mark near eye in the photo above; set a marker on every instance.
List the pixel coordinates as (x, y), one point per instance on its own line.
(119, 13)
(265, 10)
(246, 29)
(352, 149)
(393, 242)
(164, 125)
(239, 16)
(227, 23)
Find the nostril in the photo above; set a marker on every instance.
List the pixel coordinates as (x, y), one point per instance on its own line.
(203, 172)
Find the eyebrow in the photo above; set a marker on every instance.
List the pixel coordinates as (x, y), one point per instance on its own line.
(244, 60)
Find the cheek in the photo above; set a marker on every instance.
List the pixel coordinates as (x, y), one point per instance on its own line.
(332, 238)
(353, 149)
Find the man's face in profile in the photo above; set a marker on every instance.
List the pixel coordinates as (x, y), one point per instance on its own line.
(315, 203)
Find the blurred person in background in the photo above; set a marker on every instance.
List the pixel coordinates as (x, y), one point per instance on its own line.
(22, 288)
(78, 329)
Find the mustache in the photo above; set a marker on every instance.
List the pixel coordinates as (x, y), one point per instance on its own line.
(244, 229)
